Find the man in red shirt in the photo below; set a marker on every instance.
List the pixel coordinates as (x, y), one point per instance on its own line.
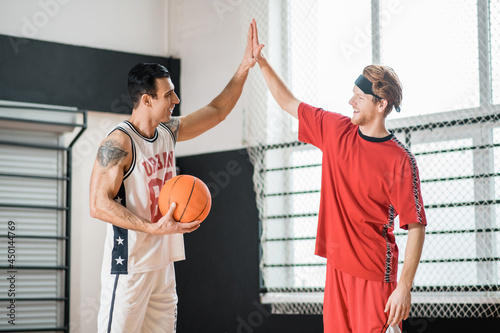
(368, 178)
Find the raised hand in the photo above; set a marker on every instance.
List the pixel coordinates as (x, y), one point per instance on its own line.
(256, 47)
(248, 59)
(252, 51)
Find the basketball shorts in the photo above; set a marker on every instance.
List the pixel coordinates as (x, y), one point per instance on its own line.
(354, 305)
(138, 303)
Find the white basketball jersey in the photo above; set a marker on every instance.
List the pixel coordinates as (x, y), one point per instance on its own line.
(128, 251)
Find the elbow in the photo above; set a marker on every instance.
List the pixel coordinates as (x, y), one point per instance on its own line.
(219, 112)
(222, 112)
(95, 209)
(222, 117)
(94, 212)
(284, 107)
(218, 118)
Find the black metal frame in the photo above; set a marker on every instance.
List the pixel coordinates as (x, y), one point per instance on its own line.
(486, 118)
(66, 268)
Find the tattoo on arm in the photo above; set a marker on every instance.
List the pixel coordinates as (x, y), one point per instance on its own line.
(110, 153)
(173, 124)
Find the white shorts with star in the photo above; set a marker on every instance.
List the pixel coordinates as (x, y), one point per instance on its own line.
(139, 302)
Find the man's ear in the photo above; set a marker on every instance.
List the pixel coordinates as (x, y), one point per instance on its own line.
(146, 100)
(382, 104)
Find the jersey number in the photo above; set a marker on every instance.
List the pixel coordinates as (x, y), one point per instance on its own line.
(154, 192)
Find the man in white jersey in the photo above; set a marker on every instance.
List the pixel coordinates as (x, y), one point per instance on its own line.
(137, 280)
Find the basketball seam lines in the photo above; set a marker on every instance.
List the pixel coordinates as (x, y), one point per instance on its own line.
(187, 203)
(172, 188)
(203, 210)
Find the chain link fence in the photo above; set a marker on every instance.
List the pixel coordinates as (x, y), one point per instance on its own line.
(447, 56)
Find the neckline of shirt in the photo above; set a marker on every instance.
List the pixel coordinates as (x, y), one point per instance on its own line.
(372, 139)
(140, 135)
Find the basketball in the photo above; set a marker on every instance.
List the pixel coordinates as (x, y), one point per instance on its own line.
(191, 195)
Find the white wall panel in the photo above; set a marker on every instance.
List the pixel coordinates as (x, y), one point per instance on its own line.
(119, 25)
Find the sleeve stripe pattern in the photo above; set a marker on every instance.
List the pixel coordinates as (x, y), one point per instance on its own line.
(416, 193)
(388, 254)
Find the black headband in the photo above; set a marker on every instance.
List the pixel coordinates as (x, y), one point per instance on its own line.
(366, 86)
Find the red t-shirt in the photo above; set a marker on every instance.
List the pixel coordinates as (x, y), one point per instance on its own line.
(366, 182)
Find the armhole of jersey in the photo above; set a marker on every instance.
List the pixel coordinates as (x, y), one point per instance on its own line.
(132, 165)
(169, 131)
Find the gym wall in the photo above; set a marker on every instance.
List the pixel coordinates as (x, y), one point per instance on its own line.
(218, 284)
(87, 78)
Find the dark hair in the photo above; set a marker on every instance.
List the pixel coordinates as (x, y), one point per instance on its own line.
(142, 80)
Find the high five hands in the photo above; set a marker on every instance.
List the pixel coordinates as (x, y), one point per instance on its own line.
(256, 47)
(253, 48)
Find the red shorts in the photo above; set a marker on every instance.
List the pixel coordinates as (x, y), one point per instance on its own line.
(354, 305)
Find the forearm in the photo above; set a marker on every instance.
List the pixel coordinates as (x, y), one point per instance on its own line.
(278, 88)
(112, 212)
(224, 103)
(399, 303)
(414, 245)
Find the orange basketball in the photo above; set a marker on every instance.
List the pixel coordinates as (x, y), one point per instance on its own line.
(191, 195)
